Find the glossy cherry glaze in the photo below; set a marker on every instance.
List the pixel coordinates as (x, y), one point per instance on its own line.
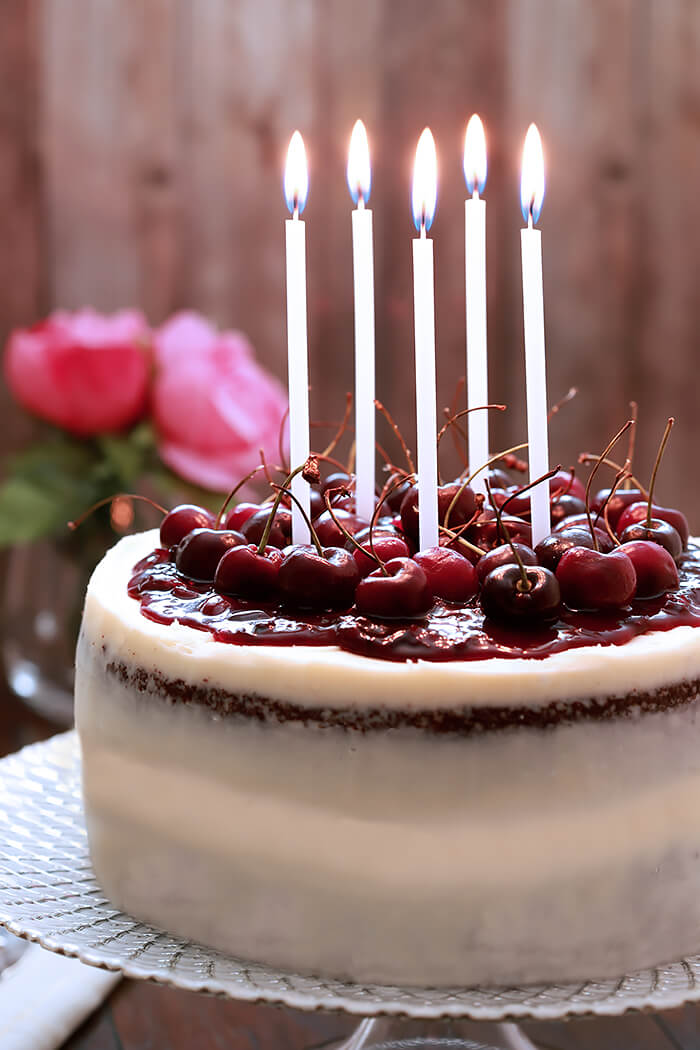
(444, 633)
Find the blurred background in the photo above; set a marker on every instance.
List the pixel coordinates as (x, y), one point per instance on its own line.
(141, 156)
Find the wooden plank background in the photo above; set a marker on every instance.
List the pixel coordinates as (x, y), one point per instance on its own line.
(141, 154)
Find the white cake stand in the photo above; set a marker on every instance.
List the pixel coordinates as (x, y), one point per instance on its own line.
(48, 894)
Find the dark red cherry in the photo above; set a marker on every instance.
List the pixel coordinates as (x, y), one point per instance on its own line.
(384, 527)
(386, 547)
(566, 483)
(280, 533)
(450, 576)
(463, 510)
(317, 503)
(183, 519)
(503, 555)
(565, 507)
(498, 479)
(395, 498)
(486, 534)
(592, 580)
(616, 505)
(655, 531)
(552, 548)
(240, 514)
(199, 553)
(506, 599)
(402, 594)
(329, 535)
(638, 511)
(309, 580)
(338, 480)
(246, 574)
(655, 568)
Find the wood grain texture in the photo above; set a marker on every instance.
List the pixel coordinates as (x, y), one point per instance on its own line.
(153, 176)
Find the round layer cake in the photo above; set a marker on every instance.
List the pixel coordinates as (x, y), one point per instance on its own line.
(525, 814)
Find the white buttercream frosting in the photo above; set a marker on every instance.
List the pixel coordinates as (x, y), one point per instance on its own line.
(326, 675)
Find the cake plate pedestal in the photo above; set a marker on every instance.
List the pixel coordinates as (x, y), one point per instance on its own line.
(48, 894)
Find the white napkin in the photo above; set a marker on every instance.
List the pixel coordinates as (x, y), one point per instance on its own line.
(44, 997)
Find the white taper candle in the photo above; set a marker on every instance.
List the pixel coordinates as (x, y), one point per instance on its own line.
(532, 194)
(363, 280)
(296, 188)
(475, 277)
(424, 201)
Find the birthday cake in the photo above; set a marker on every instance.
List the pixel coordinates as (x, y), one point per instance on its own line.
(475, 764)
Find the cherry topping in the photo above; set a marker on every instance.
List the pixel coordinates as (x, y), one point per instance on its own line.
(486, 533)
(386, 547)
(280, 533)
(655, 568)
(638, 512)
(462, 511)
(240, 514)
(339, 480)
(565, 506)
(506, 597)
(395, 496)
(449, 575)
(402, 593)
(309, 580)
(655, 531)
(592, 580)
(616, 503)
(327, 530)
(200, 551)
(504, 555)
(181, 520)
(552, 548)
(565, 482)
(245, 573)
(317, 503)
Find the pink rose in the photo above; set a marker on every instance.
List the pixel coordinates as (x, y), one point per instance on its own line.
(84, 372)
(214, 406)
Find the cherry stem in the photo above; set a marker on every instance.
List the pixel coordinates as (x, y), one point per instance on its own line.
(456, 536)
(488, 463)
(591, 457)
(280, 439)
(452, 421)
(249, 476)
(307, 519)
(601, 459)
(621, 476)
(523, 584)
(573, 391)
(348, 536)
(657, 464)
(281, 490)
(390, 420)
(634, 411)
(456, 431)
(526, 488)
(77, 522)
(351, 457)
(330, 447)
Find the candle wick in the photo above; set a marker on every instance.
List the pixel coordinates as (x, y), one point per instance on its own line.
(295, 213)
(529, 217)
(360, 199)
(475, 193)
(422, 229)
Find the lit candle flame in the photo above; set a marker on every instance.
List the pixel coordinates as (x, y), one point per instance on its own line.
(532, 177)
(359, 171)
(475, 164)
(424, 196)
(296, 175)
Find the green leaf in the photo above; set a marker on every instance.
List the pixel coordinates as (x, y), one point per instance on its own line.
(28, 512)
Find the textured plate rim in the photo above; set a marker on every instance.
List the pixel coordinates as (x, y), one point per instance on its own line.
(373, 1001)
